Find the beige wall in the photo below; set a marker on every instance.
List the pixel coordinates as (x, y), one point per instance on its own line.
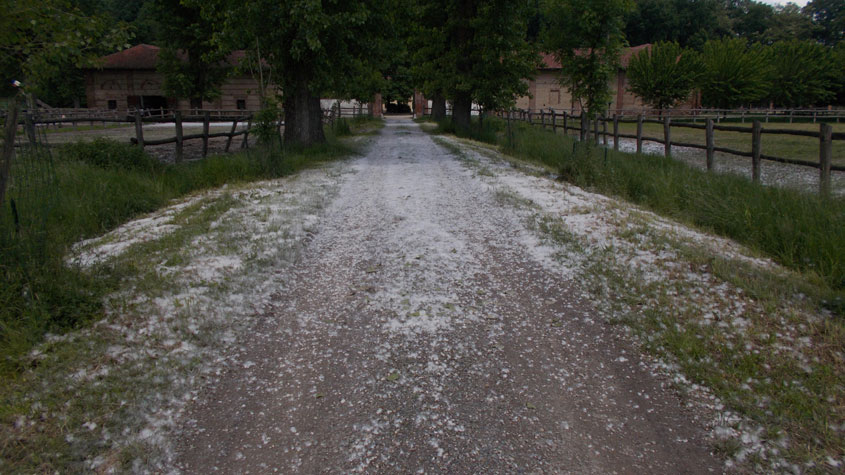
(117, 85)
(547, 93)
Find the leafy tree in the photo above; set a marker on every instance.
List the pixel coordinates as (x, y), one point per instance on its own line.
(733, 74)
(192, 64)
(828, 18)
(312, 48)
(788, 23)
(750, 19)
(804, 73)
(663, 75)
(587, 38)
(476, 51)
(689, 22)
(430, 45)
(41, 40)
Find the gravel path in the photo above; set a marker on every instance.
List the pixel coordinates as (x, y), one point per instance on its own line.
(419, 333)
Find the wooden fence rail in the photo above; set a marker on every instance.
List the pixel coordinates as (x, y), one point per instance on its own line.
(178, 118)
(562, 120)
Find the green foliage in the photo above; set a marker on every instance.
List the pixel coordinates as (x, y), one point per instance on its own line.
(474, 51)
(267, 122)
(587, 38)
(663, 75)
(109, 154)
(98, 191)
(828, 18)
(733, 74)
(313, 49)
(804, 73)
(40, 40)
(792, 227)
(192, 64)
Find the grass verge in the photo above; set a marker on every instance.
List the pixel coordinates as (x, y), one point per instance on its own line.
(87, 189)
(800, 231)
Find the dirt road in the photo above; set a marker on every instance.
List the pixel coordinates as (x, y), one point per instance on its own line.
(419, 333)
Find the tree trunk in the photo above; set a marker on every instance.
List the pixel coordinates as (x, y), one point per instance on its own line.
(462, 111)
(438, 107)
(303, 116)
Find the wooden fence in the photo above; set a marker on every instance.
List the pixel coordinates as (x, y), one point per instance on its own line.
(139, 117)
(550, 118)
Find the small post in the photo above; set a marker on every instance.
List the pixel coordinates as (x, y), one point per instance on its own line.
(177, 118)
(755, 150)
(596, 135)
(711, 144)
(554, 120)
(667, 135)
(543, 118)
(565, 123)
(604, 129)
(825, 155)
(814, 116)
(8, 148)
(245, 143)
(639, 133)
(585, 125)
(206, 118)
(139, 129)
(616, 132)
(231, 135)
(29, 125)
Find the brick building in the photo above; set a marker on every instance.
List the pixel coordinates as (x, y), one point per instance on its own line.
(546, 92)
(129, 80)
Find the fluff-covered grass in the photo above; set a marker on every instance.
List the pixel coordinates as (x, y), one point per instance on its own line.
(92, 188)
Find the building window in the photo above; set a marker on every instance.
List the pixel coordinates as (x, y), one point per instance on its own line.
(554, 96)
(241, 104)
(112, 104)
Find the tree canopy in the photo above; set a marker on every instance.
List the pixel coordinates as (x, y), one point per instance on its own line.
(663, 75)
(587, 38)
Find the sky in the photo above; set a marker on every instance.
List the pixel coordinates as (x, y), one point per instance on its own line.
(800, 3)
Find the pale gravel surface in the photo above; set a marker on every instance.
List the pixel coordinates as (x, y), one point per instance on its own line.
(424, 330)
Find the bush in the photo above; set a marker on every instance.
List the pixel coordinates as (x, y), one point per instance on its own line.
(109, 154)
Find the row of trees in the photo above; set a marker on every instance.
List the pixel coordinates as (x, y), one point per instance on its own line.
(692, 23)
(730, 73)
(464, 51)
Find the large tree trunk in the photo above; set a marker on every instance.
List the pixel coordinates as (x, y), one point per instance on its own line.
(303, 116)
(438, 107)
(462, 111)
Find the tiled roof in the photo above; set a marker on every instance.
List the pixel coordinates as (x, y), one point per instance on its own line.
(146, 57)
(550, 62)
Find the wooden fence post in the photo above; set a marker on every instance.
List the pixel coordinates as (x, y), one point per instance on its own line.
(616, 132)
(177, 118)
(604, 129)
(206, 118)
(755, 150)
(596, 135)
(231, 135)
(8, 148)
(639, 133)
(565, 123)
(139, 129)
(29, 125)
(585, 126)
(667, 135)
(711, 145)
(245, 143)
(543, 118)
(825, 155)
(554, 121)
